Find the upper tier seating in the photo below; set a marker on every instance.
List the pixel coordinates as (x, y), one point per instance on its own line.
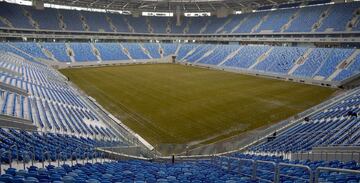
(119, 22)
(275, 21)
(139, 25)
(71, 20)
(214, 25)
(251, 20)
(197, 24)
(336, 18)
(234, 21)
(15, 14)
(96, 21)
(50, 21)
(179, 29)
(306, 19)
(159, 24)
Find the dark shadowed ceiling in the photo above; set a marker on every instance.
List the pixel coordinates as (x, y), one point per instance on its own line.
(173, 5)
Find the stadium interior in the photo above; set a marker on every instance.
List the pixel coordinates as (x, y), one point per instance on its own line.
(179, 91)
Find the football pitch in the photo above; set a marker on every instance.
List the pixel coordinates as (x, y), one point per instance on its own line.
(176, 104)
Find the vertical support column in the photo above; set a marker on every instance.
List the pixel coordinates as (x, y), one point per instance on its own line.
(178, 16)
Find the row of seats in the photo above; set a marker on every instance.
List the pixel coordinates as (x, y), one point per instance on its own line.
(323, 18)
(36, 146)
(51, 104)
(315, 63)
(333, 126)
(184, 171)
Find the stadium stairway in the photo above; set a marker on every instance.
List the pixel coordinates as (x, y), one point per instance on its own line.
(85, 25)
(231, 55)
(221, 28)
(126, 51)
(145, 51)
(292, 18)
(110, 22)
(300, 61)
(242, 21)
(352, 23)
(31, 20)
(323, 16)
(96, 52)
(62, 24)
(207, 53)
(342, 65)
(46, 52)
(257, 26)
(261, 58)
(70, 52)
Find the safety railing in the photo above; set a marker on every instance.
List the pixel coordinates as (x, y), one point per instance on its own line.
(327, 156)
(31, 155)
(343, 171)
(307, 169)
(264, 171)
(3, 154)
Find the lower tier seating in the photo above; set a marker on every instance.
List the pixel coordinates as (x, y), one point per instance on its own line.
(336, 125)
(40, 146)
(331, 64)
(222, 169)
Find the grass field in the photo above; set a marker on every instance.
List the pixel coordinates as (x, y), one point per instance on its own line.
(181, 104)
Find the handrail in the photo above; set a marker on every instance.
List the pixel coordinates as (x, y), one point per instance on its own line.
(254, 168)
(93, 157)
(319, 169)
(307, 168)
(256, 162)
(26, 158)
(60, 156)
(74, 154)
(253, 174)
(85, 156)
(17, 151)
(33, 155)
(2, 154)
(44, 158)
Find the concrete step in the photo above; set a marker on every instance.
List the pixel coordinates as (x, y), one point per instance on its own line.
(261, 58)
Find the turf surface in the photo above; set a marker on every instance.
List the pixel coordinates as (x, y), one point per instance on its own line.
(181, 104)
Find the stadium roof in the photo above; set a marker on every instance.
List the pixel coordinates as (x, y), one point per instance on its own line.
(173, 5)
